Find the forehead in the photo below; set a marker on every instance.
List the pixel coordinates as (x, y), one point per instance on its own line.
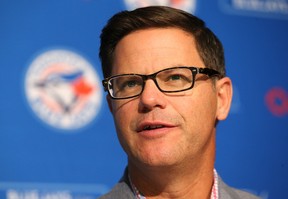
(149, 50)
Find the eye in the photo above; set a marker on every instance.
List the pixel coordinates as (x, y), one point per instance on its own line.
(124, 86)
(174, 77)
(129, 83)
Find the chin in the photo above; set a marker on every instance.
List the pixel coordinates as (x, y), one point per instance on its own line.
(159, 160)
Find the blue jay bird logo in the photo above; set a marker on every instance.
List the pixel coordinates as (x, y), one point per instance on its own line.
(62, 88)
(66, 89)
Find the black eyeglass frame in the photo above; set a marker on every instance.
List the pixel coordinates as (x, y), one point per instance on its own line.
(195, 70)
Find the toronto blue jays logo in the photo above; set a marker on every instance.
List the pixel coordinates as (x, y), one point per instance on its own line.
(187, 5)
(63, 89)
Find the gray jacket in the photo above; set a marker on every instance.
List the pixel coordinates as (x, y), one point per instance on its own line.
(123, 190)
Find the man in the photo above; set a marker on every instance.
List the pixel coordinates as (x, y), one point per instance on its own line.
(167, 89)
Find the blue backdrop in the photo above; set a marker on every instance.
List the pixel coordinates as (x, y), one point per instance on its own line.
(57, 137)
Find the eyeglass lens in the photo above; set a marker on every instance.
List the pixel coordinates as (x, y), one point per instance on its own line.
(170, 80)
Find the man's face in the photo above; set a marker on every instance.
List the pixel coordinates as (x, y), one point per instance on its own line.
(161, 129)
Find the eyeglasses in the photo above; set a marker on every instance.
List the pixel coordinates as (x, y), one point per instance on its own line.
(169, 80)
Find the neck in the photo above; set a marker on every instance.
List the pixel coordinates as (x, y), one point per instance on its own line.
(191, 180)
(180, 187)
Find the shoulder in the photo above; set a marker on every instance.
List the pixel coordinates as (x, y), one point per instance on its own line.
(227, 192)
(120, 191)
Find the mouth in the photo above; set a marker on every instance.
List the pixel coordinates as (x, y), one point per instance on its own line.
(153, 130)
(147, 126)
(152, 127)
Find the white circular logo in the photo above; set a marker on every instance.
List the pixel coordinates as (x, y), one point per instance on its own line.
(187, 5)
(63, 89)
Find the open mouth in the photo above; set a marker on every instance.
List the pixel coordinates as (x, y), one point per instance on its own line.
(152, 127)
(153, 130)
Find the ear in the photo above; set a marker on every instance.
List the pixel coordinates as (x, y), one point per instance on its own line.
(224, 95)
(109, 101)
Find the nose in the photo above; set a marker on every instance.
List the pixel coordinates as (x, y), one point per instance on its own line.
(151, 97)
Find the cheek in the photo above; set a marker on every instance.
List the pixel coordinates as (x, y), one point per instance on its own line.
(121, 121)
(123, 114)
(198, 110)
(199, 116)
